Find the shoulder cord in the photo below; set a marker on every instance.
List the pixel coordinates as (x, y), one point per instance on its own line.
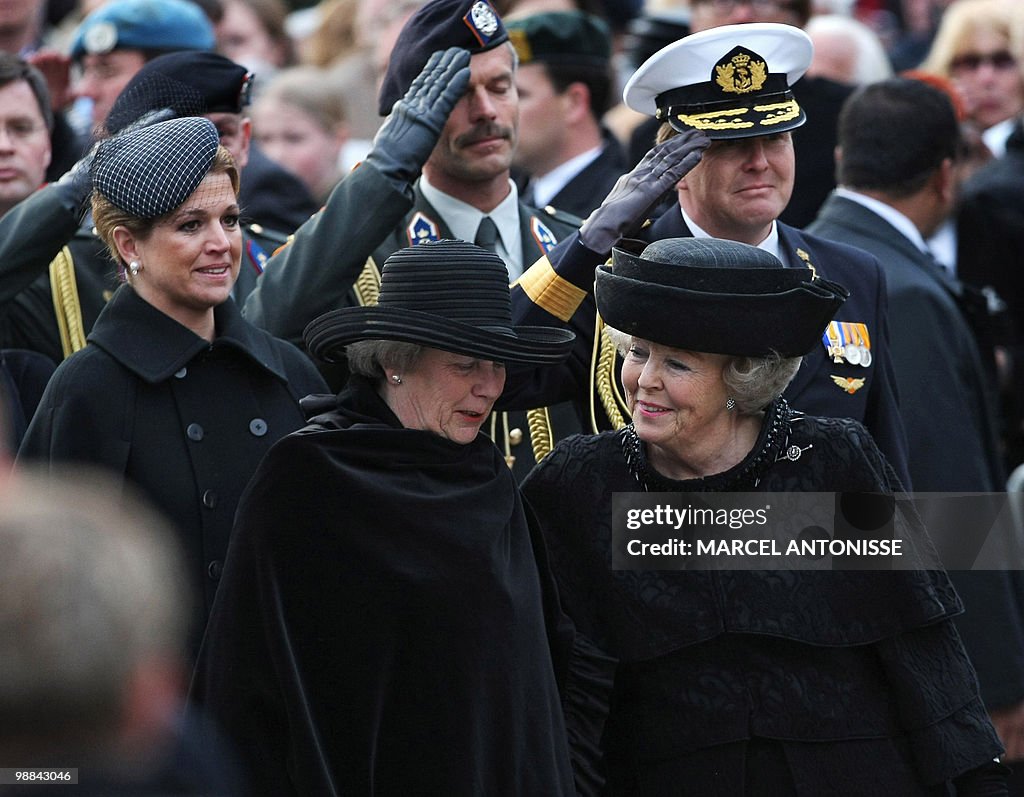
(66, 306)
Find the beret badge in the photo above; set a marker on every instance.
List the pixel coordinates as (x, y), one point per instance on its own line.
(100, 38)
(482, 21)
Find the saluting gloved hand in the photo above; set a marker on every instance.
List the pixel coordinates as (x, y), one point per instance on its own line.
(408, 135)
(637, 192)
(75, 185)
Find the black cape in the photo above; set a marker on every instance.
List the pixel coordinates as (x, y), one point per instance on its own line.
(386, 623)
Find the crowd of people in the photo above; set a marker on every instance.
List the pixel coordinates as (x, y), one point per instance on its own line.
(330, 338)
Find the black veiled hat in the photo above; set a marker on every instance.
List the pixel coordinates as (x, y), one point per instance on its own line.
(710, 295)
(448, 295)
(473, 25)
(150, 171)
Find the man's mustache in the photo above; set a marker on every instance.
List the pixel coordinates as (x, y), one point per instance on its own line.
(482, 133)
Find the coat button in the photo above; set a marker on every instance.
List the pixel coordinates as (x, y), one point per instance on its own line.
(213, 570)
(515, 436)
(194, 432)
(181, 374)
(258, 427)
(209, 499)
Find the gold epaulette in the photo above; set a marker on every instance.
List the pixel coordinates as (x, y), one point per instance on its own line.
(367, 284)
(603, 378)
(66, 306)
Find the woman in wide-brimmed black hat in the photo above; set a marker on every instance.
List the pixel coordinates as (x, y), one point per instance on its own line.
(722, 679)
(387, 622)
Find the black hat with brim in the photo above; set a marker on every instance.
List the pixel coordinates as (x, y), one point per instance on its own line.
(448, 295)
(721, 297)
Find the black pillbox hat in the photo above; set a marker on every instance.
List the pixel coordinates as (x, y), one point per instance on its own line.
(473, 25)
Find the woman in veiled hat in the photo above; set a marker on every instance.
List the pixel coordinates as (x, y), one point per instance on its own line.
(174, 392)
(795, 678)
(386, 623)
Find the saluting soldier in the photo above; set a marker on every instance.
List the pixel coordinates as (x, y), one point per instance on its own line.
(53, 266)
(452, 111)
(725, 91)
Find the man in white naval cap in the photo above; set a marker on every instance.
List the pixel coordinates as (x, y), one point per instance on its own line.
(729, 88)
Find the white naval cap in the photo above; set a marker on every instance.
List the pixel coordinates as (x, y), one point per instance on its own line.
(731, 81)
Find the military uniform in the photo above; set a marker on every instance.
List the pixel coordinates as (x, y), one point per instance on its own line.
(334, 260)
(833, 381)
(56, 276)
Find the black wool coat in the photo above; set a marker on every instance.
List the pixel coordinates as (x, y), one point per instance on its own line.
(184, 420)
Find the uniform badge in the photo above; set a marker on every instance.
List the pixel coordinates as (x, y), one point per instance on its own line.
(421, 229)
(100, 38)
(542, 235)
(741, 72)
(850, 385)
(482, 21)
(848, 341)
(257, 256)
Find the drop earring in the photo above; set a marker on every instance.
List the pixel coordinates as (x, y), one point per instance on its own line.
(134, 268)
(396, 379)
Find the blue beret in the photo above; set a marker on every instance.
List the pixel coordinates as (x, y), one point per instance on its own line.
(151, 171)
(143, 25)
(471, 24)
(189, 82)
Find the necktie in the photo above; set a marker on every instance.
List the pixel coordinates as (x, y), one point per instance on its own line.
(487, 234)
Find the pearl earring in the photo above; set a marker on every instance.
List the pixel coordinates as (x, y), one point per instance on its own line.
(730, 404)
(134, 268)
(396, 379)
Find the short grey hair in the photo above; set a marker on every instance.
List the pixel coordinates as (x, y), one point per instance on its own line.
(369, 358)
(753, 382)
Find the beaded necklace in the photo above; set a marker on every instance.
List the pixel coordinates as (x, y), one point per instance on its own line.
(769, 448)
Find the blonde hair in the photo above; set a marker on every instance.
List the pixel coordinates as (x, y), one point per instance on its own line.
(961, 21)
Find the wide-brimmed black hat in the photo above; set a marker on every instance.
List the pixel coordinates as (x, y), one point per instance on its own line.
(448, 295)
(710, 295)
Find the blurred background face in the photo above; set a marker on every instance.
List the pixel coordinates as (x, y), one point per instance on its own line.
(989, 77)
(104, 76)
(706, 14)
(295, 139)
(24, 144)
(541, 120)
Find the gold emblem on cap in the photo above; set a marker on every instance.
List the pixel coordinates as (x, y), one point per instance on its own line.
(741, 74)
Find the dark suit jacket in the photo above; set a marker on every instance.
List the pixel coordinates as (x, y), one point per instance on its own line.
(584, 192)
(949, 423)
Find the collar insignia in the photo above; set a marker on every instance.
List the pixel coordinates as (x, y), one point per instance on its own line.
(742, 71)
(542, 235)
(421, 228)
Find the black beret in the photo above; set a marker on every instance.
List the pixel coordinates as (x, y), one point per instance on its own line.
(471, 24)
(151, 171)
(192, 83)
(568, 37)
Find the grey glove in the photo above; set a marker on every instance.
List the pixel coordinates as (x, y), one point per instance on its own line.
(637, 192)
(75, 185)
(408, 135)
